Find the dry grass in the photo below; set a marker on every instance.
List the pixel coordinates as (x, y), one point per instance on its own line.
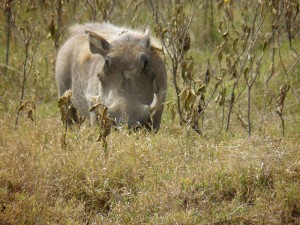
(171, 177)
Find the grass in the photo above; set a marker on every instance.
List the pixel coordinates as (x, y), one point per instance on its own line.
(171, 177)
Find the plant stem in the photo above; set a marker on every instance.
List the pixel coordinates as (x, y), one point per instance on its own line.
(8, 32)
(24, 81)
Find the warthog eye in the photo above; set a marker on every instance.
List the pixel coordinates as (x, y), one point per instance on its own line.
(107, 63)
(145, 62)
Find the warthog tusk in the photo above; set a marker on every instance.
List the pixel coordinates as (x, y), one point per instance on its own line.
(94, 99)
(154, 104)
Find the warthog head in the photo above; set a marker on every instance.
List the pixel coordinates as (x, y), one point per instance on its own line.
(129, 80)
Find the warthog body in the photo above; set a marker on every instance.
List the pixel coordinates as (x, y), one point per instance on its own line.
(114, 66)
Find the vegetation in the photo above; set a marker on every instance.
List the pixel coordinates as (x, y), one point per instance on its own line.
(233, 78)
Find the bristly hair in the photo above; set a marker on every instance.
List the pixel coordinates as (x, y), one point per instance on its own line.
(111, 32)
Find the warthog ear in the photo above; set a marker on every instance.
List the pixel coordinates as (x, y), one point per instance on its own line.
(98, 45)
(146, 39)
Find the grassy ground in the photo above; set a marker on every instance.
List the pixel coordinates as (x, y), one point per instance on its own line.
(171, 177)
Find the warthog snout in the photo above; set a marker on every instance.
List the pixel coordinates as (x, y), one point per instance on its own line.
(132, 113)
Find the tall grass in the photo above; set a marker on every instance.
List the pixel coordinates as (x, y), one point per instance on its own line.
(165, 178)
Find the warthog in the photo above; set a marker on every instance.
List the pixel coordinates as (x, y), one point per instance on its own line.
(119, 68)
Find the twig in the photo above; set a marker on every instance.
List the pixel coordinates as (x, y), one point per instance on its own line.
(11, 68)
(286, 72)
(26, 61)
(7, 10)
